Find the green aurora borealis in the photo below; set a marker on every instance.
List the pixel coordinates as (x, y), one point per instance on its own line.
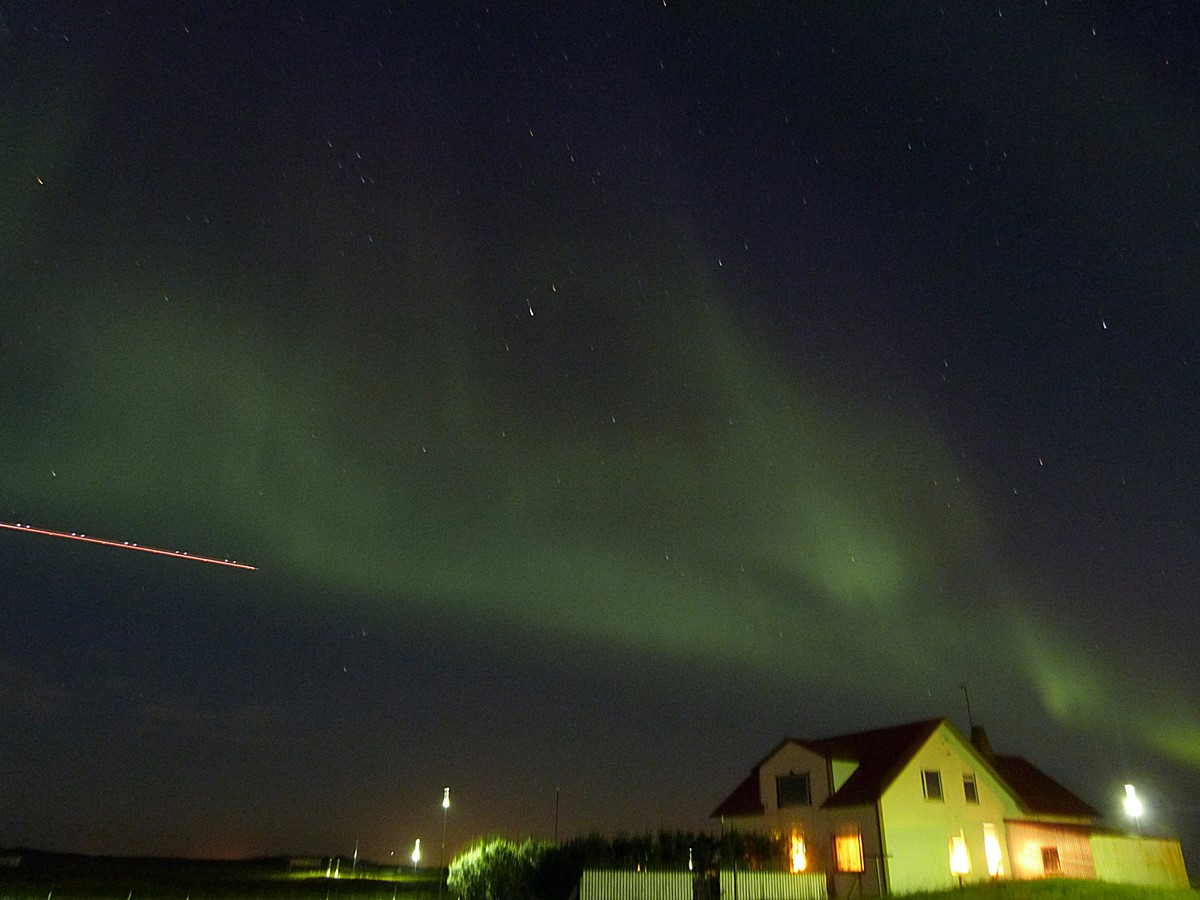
(670, 488)
(601, 395)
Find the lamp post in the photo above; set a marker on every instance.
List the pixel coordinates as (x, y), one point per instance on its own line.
(442, 858)
(1134, 807)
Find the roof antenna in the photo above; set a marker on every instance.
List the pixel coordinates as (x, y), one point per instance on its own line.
(967, 697)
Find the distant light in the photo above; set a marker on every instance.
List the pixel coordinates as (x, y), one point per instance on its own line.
(445, 798)
(1134, 808)
(416, 854)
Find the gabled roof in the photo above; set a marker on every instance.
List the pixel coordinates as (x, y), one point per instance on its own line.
(744, 801)
(1037, 792)
(882, 755)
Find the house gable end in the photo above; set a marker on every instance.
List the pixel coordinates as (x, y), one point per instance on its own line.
(882, 755)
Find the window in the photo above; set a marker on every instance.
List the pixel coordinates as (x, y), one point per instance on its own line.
(848, 852)
(792, 790)
(970, 791)
(960, 858)
(1051, 865)
(992, 851)
(931, 781)
(797, 853)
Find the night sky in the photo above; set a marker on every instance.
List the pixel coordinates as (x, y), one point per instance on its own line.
(603, 391)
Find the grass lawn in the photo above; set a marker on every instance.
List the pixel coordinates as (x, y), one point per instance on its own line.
(1057, 889)
(47, 876)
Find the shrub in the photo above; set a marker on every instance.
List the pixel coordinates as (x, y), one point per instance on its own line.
(497, 869)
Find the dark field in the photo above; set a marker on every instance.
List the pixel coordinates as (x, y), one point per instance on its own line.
(52, 876)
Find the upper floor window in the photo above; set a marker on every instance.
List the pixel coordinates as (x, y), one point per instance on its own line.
(793, 790)
(931, 781)
(970, 791)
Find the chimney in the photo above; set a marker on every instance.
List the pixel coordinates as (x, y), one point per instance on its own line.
(979, 740)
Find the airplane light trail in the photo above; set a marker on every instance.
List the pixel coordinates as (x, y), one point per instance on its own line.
(126, 545)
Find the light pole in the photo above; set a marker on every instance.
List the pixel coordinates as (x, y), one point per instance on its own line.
(416, 854)
(1134, 807)
(442, 858)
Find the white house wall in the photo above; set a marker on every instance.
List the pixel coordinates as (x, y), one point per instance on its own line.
(863, 821)
(819, 826)
(1149, 861)
(793, 758)
(917, 831)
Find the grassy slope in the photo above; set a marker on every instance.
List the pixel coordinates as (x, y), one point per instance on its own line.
(1057, 889)
(66, 877)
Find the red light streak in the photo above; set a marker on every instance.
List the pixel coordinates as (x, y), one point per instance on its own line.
(126, 545)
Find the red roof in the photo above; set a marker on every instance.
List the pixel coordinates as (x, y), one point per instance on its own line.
(883, 753)
(1037, 791)
(744, 801)
(880, 754)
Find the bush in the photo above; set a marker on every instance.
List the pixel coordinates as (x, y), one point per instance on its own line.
(497, 869)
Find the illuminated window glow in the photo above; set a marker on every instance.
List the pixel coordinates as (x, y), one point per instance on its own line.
(960, 859)
(992, 851)
(797, 854)
(848, 852)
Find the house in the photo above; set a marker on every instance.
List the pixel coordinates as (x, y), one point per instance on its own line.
(920, 807)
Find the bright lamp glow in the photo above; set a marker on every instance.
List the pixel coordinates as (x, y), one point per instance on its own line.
(1133, 803)
(416, 854)
(445, 798)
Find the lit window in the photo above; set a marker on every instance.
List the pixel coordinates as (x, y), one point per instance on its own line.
(1051, 865)
(960, 859)
(793, 790)
(991, 850)
(931, 781)
(970, 791)
(797, 854)
(848, 852)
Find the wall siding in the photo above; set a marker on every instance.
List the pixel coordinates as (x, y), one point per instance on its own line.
(1025, 843)
(1154, 862)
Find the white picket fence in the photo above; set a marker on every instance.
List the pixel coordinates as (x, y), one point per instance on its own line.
(773, 886)
(603, 884)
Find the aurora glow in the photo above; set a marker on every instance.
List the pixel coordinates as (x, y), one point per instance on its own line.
(601, 395)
